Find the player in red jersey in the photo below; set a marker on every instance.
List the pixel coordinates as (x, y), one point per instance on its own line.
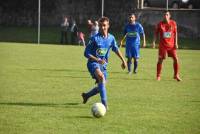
(166, 30)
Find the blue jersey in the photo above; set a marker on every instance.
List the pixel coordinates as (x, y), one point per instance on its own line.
(99, 46)
(132, 32)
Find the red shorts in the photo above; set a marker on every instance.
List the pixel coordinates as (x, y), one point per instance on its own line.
(171, 52)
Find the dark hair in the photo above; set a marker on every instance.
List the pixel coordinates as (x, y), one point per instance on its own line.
(166, 11)
(102, 19)
(132, 14)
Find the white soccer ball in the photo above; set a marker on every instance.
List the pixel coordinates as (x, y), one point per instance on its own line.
(98, 110)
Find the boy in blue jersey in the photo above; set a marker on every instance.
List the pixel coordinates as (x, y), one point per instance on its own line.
(97, 52)
(132, 32)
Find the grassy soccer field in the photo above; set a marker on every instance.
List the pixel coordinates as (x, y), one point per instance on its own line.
(40, 89)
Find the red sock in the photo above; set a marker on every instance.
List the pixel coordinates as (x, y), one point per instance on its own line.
(159, 68)
(176, 69)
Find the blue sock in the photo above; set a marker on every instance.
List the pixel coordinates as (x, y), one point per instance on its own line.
(135, 66)
(92, 92)
(129, 66)
(102, 90)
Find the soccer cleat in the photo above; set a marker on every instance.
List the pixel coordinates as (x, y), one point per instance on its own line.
(129, 73)
(106, 107)
(158, 78)
(85, 99)
(135, 72)
(177, 78)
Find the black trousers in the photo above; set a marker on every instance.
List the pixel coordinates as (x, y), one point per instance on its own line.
(64, 37)
(74, 40)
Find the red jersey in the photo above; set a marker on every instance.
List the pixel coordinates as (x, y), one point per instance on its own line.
(167, 33)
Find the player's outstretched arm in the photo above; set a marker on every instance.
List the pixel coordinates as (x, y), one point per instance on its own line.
(176, 38)
(119, 54)
(154, 41)
(144, 41)
(122, 41)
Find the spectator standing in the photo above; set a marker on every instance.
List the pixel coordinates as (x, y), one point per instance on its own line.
(74, 32)
(64, 31)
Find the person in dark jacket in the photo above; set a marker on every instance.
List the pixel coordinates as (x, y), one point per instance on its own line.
(74, 32)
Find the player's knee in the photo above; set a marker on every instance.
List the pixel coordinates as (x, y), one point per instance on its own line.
(175, 59)
(135, 59)
(129, 60)
(160, 61)
(101, 77)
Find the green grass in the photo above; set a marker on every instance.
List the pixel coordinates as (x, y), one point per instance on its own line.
(40, 89)
(51, 35)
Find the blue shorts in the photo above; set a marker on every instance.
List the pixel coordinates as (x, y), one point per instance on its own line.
(92, 66)
(133, 51)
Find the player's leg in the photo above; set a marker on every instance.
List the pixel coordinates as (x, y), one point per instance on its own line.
(176, 69)
(129, 57)
(89, 94)
(91, 68)
(129, 63)
(135, 65)
(136, 55)
(101, 86)
(174, 56)
(159, 68)
(161, 56)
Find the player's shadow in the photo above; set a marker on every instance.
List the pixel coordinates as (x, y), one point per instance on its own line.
(55, 105)
(52, 105)
(84, 117)
(195, 101)
(67, 74)
(130, 78)
(127, 77)
(56, 70)
(115, 72)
